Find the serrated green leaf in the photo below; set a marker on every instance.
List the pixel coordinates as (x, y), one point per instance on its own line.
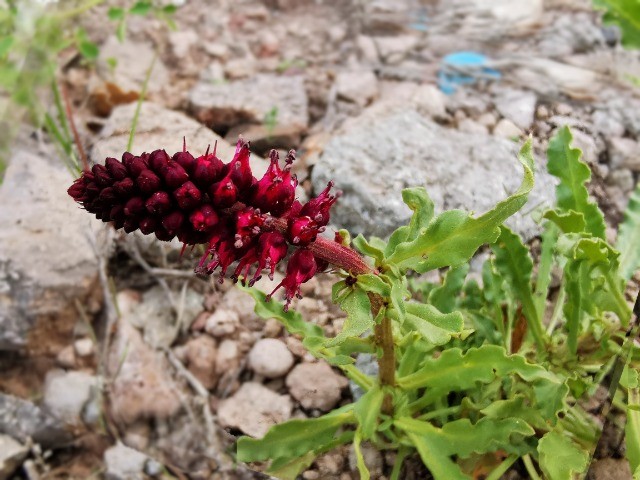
(571, 193)
(453, 237)
(625, 14)
(569, 222)
(456, 371)
(445, 296)
(628, 242)
(115, 13)
(560, 458)
(434, 326)
(140, 8)
(362, 467)
(418, 200)
(513, 262)
(374, 284)
(367, 410)
(367, 249)
(629, 378)
(291, 320)
(295, 438)
(359, 318)
(462, 438)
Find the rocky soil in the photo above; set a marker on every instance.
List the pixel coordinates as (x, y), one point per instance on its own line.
(118, 362)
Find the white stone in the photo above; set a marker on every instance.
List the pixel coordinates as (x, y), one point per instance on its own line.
(12, 453)
(359, 87)
(506, 129)
(624, 152)
(228, 357)
(471, 126)
(124, 463)
(430, 100)
(270, 358)
(316, 385)
(254, 409)
(222, 322)
(66, 394)
(84, 347)
(517, 105)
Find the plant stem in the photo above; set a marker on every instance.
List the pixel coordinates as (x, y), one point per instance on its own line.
(501, 469)
(74, 130)
(531, 470)
(387, 361)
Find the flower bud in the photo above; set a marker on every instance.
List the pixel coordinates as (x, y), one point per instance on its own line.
(204, 218)
(188, 196)
(148, 182)
(158, 203)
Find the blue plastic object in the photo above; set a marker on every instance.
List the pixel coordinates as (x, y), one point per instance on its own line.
(464, 68)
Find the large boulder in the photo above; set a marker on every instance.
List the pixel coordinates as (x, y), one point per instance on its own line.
(48, 255)
(393, 147)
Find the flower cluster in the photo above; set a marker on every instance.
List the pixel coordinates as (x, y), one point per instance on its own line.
(205, 201)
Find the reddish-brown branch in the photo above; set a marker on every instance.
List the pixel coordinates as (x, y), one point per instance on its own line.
(74, 131)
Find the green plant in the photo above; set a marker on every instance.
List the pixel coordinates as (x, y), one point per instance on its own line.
(474, 373)
(141, 8)
(626, 15)
(474, 376)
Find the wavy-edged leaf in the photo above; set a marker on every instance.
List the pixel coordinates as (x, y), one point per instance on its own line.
(434, 326)
(291, 320)
(455, 371)
(359, 319)
(628, 243)
(453, 237)
(292, 439)
(367, 409)
(632, 427)
(516, 407)
(513, 262)
(445, 296)
(418, 200)
(560, 458)
(462, 438)
(571, 193)
(368, 249)
(375, 284)
(568, 222)
(545, 264)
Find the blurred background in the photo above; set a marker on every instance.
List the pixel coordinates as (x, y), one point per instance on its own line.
(116, 361)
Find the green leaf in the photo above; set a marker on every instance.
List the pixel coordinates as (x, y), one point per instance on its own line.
(115, 13)
(89, 50)
(628, 242)
(367, 249)
(632, 427)
(434, 326)
(569, 222)
(121, 31)
(515, 265)
(291, 320)
(545, 264)
(367, 410)
(374, 284)
(362, 467)
(455, 371)
(359, 319)
(294, 438)
(140, 8)
(625, 14)
(398, 295)
(516, 407)
(629, 378)
(571, 193)
(169, 9)
(453, 237)
(462, 438)
(418, 200)
(560, 458)
(445, 296)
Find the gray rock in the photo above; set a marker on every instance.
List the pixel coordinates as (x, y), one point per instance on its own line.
(12, 453)
(519, 106)
(47, 261)
(23, 420)
(394, 49)
(270, 358)
(316, 385)
(610, 469)
(251, 101)
(200, 353)
(222, 322)
(471, 126)
(66, 394)
(506, 129)
(624, 152)
(359, 87)
(124, 463)
(604, 123)
(430, 100)
(133, 62)
(254, 409)
(159, 127)
(623, 178)
(384, 151)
